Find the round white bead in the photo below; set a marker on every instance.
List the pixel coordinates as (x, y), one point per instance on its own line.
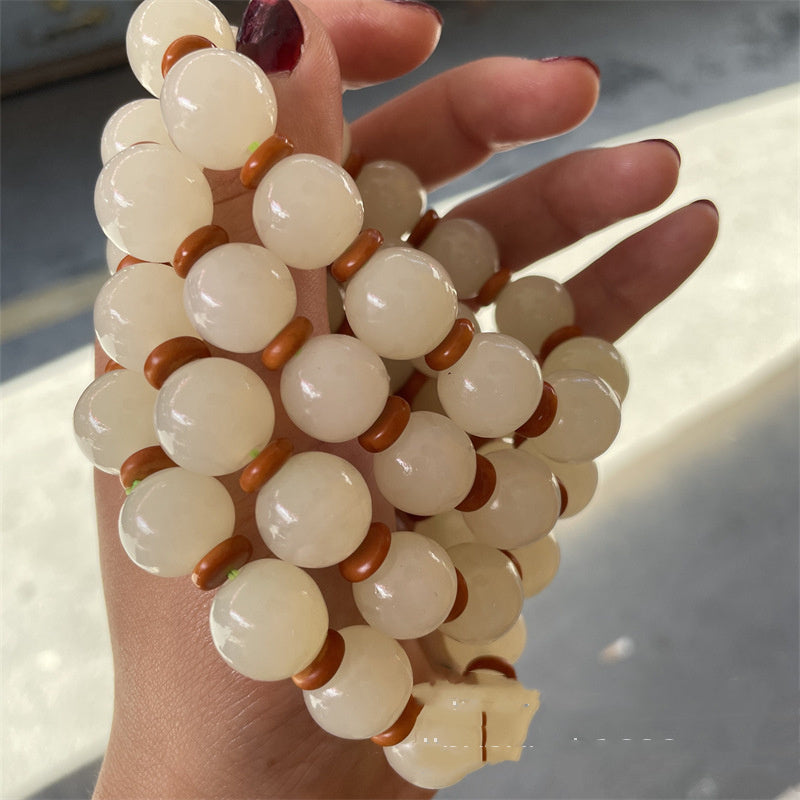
(401, 303)
(149, 198)
(429, 469)
(172, 519)
(137, 121)
(412, 591)
(399, 373)
(448, 529)
(539, 563)
(334, 388)
(114, 418)
(113, 256)
(368, 691)
(393, 197)
(239, 296)
(493, 388)
(218, 105)
(307, 210)
(427, 399)
(270, 621)
(457, 655)
(315, 511)
(593, 355)
(213, 415)
(155, 24)
(138, 308)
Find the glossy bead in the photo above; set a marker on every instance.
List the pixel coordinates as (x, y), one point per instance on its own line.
(113, 256)
(525, 503)
(217, 105)
(155, 24)
(412, 592)
(137, 121)
(429, 469)
(213, 415)
(149, 198)
(368, 691)
(393, 197)
(466, 250)
(539, 562)
(138, 308)
(531, 308)
(493, 388)
(315, 511)
(238, 296)
(447, 529)
(587, 419)
(406, 318)
(495, 593)
(307, 210)
(172, 519)
(579, 479)
(270, 621)
(593, 355)
(114, 418)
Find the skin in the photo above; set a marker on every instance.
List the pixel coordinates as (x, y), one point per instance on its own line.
(184, 724)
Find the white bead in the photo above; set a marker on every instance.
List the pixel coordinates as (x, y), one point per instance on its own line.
(113, 256)
(368, 691)
(401, 303)
(315, 511)
(270, 621)
(579, 479)
(412, 591)
(149, 198)
(587, 418)
(427, 399)
(307, 210)
(465, 312)
(466, 250)
(155, 24)
(137, 121)
(213, 415)
(138, 308)
(524, 505)
(593, 355)
(393, 196)
(399, 373)
(114, 418)
(493, 388)
(495, 594)
(239, 296)
(539, 563)
(172, 519)
(448, 529)
(218, 106)
(429, 469)
(334, 388)
(531, 308)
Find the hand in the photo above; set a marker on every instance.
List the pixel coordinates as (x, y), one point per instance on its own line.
(184, 723)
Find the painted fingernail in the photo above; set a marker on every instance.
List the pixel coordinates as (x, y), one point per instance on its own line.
(668, 144)
(587, 61)
(271, 34)
(420, 4)
(706, 202)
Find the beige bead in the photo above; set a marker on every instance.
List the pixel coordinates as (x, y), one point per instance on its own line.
(593, 355)
(539, 562)
(368, 691)
(448, 529)
(399, 373)
(113, 256)
(393, 196)
(579, 479)
(427, 399)
(137, 121)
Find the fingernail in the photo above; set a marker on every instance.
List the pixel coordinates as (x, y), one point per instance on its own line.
(668, 144)
(706, 202)
(587, 61)
(271, 34)
(420, 4)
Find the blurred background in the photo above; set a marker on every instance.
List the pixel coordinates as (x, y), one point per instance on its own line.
(666, 649)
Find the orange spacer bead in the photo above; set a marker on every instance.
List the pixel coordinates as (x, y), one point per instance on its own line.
(557, 337)
(494, 284)
(452, 347)
(564, 497)
(197, 244)
(169, 356)
(265, 465)
(462, 595)
(126, 261)
(264, 158)
(513, 559)
(402, 726)
(482, 487)
(111, 365)
(386, 430)
(144, 462)
(324, 665)
(286, 343)
(213, 568)
(543, 416)
(484, 737)
(353, 164)
(368, 556)
(494, 663)
(423, 229)
(181, 47)
(363, 247)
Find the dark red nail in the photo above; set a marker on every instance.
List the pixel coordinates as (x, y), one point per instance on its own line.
(668, 144)
(587, 61)
(271, 34)
(706, 202)
(420, 4)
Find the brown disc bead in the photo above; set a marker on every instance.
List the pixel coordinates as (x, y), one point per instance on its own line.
(386, 430)
(494, 284)
(484, 737)
(514, 561)
(126, 261)
(411, 388)
(494, 663)
(452, 347)
(564, 496)
(287, 343)
(144, 462)
(363, 247)
(197, 244)
(263, 159)
(213, 568)
(542, 418)
(402, 726)
(482, 486)
(423, 229)
(557, 337)
(462, 595)
(111, 365)
(168, 356)
(324, 665)
(181, 47)
(368, 556)
(265, 465)
(353, 164)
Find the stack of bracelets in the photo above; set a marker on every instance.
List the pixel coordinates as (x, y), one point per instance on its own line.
(478, 454)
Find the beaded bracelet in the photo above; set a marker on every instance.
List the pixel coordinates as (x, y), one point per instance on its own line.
(475, 450)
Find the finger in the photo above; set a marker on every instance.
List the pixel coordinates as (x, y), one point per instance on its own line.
(618, 289)
(456, 120)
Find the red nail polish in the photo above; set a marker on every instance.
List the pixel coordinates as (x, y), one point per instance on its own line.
(587, 61)
(419, 4)
(668, 144)
(271, 34)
